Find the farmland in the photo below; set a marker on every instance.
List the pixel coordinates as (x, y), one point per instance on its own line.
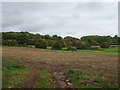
(52, 68)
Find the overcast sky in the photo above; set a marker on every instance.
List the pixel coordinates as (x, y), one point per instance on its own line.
(64, 19)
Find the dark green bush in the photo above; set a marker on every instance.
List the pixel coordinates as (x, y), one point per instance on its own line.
(70, 48)
(105, 45)
(57, 45)
(41, 44)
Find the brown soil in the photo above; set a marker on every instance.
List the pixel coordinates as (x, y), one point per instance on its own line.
(58, 61)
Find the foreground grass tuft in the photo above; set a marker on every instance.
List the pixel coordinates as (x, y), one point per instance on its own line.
(13, 74)
(44, 80)
(88, 79)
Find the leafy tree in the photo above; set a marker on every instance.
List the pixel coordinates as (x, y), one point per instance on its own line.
(74, 38)
(41, 44)
(22, 38)
(59, 37)
(30, 39)
(47, 37)
(57, 45)
(105, 45)
(118, 40)
(72, 42)
(67, 43)
(55, 37)
(63, 44)
(97, 40)
(50, 42)
(10, 42)
(81, 45)
(115, 40)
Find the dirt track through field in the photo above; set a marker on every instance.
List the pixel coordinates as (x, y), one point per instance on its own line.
(31, 78)
(58, 61)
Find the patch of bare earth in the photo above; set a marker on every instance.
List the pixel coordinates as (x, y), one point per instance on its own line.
(58, 61)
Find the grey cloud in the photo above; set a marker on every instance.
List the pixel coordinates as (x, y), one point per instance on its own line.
(74, 19)
(90, 6)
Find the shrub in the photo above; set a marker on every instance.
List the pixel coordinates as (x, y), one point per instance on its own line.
(105, 45)
(63, 44)
(10, 42)
(50, 42)
(24, 45)
(70, 48)
(57, 45)
(41, 44)
(67, 43)
(81, 45)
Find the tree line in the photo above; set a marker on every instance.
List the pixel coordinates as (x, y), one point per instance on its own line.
(57, 42)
